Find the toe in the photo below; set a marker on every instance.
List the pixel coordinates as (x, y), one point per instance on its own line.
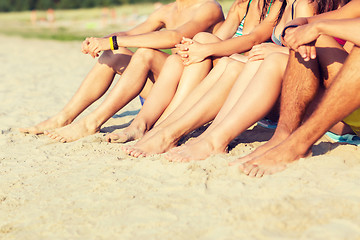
(253, 171)
(246, 168)
(260, 173)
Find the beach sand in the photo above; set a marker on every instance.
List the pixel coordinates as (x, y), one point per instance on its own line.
(90, 189)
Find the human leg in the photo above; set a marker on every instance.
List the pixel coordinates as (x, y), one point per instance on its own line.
(158, 99)
(167, 134)
(191, 100)
(301, 86)
(339, 100)
(159, 105)
(256, 99)
(191, 76)
(145, 63)
(95, 84)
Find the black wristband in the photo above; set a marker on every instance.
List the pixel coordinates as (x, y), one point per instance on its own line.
(290, 26)
(114, 39)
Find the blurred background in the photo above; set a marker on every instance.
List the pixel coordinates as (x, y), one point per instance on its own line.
(68, 20)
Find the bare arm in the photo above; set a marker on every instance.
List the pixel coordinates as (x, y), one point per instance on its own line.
(207, 15)
(347, 29)
(196, 52)
(260, 51)
(233, 19)
(330, 23)
(244, 43)
(350, 10)
(241, 44)
(300, 38)
(151, 24)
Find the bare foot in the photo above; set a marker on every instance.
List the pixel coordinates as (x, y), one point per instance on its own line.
(49, 124)
(73, 132)
(196, 150)
(132, 151)
(156, 144)
(125, 135)
(274, 141)
(178, 149)
(272, 161)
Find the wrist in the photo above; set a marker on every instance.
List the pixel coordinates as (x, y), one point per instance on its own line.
(113, 43)
(208, 50)
(283, 33)
(318, 27)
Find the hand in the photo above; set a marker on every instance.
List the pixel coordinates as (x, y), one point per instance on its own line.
(85, 46)
(307, 51)
(183, 47)
(260, 51)
(94, 46)
(191, 51)
(301, 39)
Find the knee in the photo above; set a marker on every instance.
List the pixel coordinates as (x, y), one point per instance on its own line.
(205, 37)
(225, 60)
(117, 62)
(174, 59)
(234, 67)
(108, 58)
(144, 55)
(276, 59)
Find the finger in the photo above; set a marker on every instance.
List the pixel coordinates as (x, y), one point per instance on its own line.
(97, 51)
(188, 40)
(256, 58)
(183, 47)
(308, 53)
(312, 52)
(302, 51)
(93, 48)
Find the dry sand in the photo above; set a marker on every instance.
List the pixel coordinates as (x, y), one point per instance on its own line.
(90, 189)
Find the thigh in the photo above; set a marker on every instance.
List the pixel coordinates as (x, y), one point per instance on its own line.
(331, 57)
(118, 60)
(155, 60)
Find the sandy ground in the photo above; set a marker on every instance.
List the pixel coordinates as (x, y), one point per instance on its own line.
(90, 189)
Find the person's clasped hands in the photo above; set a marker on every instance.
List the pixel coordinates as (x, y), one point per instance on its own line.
(191, 51)
(301, 39)
(93, 46)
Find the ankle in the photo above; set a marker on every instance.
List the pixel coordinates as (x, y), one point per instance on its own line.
(281, 133)
(298, 147)
(217, 144)
(140, 125)
(64, 118)
(92, 124)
